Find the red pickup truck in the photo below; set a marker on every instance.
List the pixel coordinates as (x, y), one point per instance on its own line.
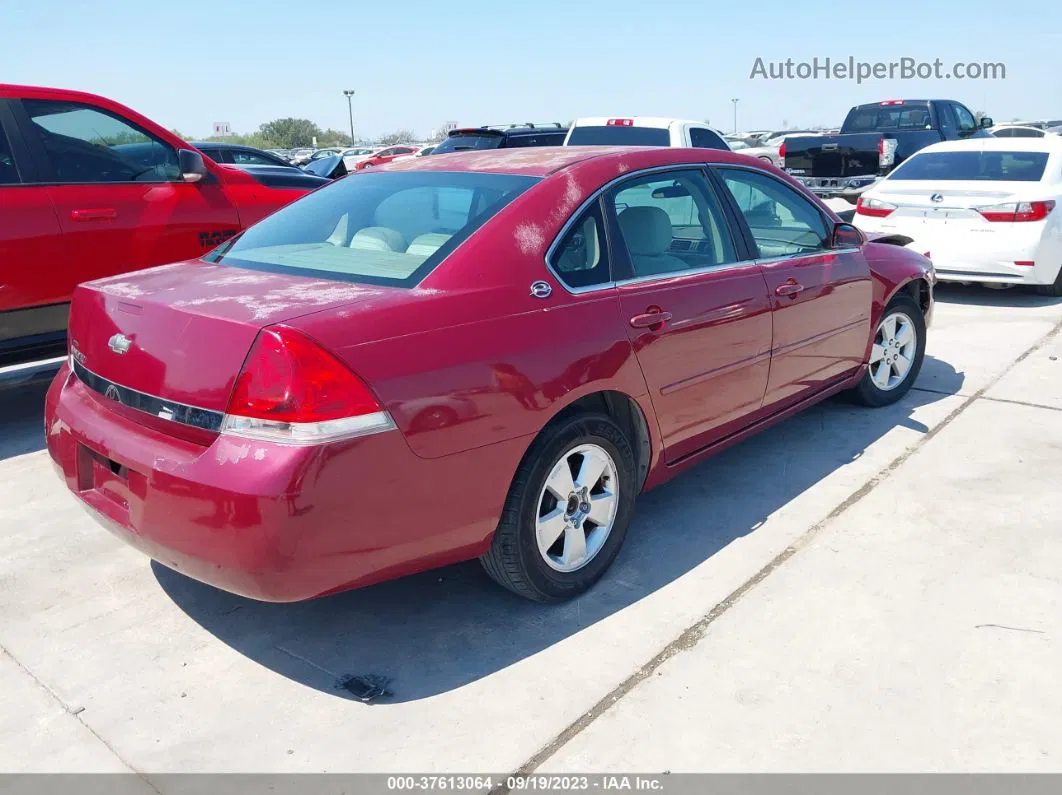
(90, 188)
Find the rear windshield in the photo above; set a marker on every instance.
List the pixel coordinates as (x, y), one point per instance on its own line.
(374, 228)
(974, 165)
(459, 142)
(619, 136)
(876, 118)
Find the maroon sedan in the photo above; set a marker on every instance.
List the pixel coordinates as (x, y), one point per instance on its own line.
(481, 355)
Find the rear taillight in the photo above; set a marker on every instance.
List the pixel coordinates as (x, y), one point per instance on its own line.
(875, 208)
(1016, 211)
(886, 152)
(293, 391)
(781, 152)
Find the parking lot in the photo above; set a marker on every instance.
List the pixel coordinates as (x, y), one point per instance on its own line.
(851, 590)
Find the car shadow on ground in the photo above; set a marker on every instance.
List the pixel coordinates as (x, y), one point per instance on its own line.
(979, 295)
(22, 420)
(434, 632)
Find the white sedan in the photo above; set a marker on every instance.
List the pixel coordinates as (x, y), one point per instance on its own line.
(983, 209)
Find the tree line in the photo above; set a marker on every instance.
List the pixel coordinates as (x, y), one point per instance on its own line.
(294, 133)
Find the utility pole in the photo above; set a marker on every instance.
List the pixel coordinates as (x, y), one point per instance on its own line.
(735, 101)
(349, 93)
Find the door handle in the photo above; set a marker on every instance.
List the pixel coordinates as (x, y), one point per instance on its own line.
(94, 214)
(650, 319)
(792, 288)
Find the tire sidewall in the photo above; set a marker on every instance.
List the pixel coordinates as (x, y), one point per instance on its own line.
(589, 429)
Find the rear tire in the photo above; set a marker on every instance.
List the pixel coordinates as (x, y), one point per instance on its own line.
(896, 355)
(522, 556)
(1053, 290)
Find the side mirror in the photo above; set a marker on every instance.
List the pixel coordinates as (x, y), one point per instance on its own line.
(986, 122)
(846, 236)
(192, 166)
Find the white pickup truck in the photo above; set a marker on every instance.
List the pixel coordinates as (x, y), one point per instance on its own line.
(643, 131)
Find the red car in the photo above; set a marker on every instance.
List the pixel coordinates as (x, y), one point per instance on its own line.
(90, 188)
(385, 156)
(484, 355)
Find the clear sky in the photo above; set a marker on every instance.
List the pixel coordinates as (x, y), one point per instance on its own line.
(418, 64)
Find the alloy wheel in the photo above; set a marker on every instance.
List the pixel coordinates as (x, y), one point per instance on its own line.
(894, 351)
(577, 508)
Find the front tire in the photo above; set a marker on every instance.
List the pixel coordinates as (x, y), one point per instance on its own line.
(567, 511)
(896, 354)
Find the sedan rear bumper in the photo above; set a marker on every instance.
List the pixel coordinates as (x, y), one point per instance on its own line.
(269, 521)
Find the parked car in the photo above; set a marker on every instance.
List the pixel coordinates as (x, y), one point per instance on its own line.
(302, 156)
(643, 131)
(352, 156)
(239, 155)
(874, 139)
(1017, 131)
(502, 137)
(770, 149)
(425, 151)
(90, 188)
(987, 210)
(263, 422)
(385, 156)
(326, 152)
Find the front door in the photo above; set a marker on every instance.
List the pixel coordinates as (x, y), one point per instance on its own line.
(118, 193)
(821, 297)
(698, 316)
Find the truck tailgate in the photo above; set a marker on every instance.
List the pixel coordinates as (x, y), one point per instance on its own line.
(850, 155)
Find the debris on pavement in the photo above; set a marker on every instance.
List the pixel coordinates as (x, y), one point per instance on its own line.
(367, 687)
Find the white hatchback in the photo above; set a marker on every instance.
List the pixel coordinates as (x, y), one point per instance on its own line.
(984, 209)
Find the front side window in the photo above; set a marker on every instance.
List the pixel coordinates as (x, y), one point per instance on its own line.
(8, 170)
(86, 145)
(782, 222)
(374, 228)
(965, 119)
(671, 223)
(581, 259)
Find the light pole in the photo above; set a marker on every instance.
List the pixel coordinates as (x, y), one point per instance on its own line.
(349, 93)
(735, 101)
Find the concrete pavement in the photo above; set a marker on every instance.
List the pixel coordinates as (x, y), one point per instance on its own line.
(873, 555)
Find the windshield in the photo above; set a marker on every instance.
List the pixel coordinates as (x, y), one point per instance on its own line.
(478, 139)
(974, 165)
(374, 228)
(619, 136)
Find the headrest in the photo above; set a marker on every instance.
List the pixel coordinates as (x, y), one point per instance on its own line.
(378, 238)
(426, 245)
(647, 230)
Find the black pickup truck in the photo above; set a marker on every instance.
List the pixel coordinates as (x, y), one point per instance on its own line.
(874, 139)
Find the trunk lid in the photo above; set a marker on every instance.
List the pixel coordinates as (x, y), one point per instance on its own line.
(186, 328)
(851, 155)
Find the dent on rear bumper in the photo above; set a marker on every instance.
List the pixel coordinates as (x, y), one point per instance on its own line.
(277, 522)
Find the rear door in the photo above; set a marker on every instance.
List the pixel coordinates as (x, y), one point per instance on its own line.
(696, 307)
(118, 193)
(31, 248)
(821, 297)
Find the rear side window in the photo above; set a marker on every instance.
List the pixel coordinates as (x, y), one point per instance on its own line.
(974, 165)
(86, 145)
(706, 139)
(671, 223)
(460, 142)
(619, 136)
(374, 228)
(8, 170)
(248, 157)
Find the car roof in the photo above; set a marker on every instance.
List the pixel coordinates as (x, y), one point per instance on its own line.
(546, 160)
(636, 121)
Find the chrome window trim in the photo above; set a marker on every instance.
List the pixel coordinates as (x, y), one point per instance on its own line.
(612, 284)
(152, 405)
